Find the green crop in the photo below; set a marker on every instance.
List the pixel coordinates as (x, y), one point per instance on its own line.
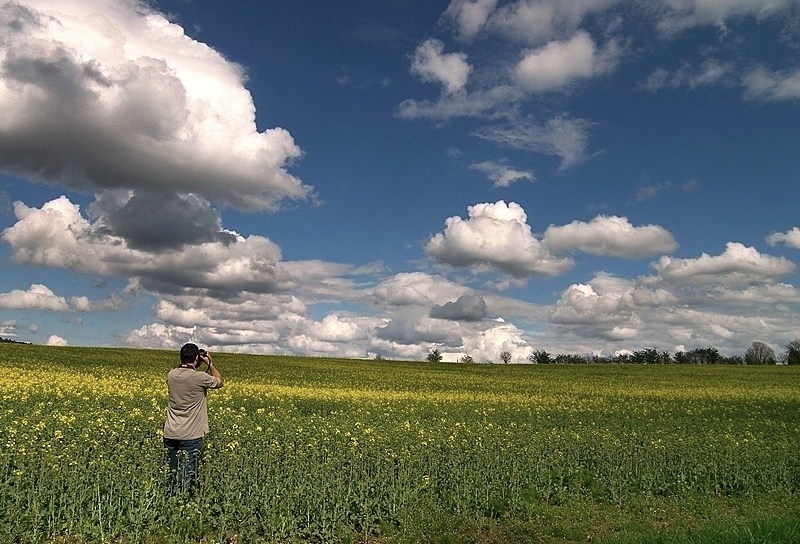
(324, 450)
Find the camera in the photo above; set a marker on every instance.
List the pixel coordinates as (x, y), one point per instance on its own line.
(202, 353)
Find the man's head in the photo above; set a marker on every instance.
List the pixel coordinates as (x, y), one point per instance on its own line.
(189, 353)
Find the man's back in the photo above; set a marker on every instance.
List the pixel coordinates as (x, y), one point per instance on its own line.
(187, 416)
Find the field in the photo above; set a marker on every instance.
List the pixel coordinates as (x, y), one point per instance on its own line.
(323, 450)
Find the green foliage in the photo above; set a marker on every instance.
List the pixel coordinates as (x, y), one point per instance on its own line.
(759, 354)
(699, 356)
(793, 352)
(434, 356)
(330, 450)
(540, 357)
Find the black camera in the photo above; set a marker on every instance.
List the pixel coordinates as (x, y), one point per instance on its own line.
(202, 353)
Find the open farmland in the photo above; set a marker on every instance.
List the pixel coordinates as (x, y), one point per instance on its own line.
(320, 450)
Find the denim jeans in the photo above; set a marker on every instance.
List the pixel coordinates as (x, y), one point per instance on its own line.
(183, 458)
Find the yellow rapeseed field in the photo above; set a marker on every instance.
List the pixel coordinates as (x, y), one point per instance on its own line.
(318, 450)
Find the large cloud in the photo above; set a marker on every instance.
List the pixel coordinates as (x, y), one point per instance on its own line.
(499, 236)
(153, 221)
(603, 308)
(416, 289)
(738, 265)
(726, 300)
(106, 94)
(38, 297)
(58, 235)
(610, 235)
(652, 311)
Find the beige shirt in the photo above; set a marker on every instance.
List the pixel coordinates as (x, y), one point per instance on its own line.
(187, 416)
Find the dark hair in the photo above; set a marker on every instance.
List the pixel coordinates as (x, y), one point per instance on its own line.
(189, 352)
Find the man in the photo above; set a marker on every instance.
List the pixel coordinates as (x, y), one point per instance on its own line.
(187, 415)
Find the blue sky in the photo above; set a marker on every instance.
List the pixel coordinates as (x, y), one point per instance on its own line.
(371, 178)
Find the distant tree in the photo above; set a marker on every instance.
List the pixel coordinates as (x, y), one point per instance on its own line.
(570, 359)
(623, 358)
(505, 356)
(650, 356)
(759, 354)
(793, 352)
(733, 360)
(703, 356)
(434, 356)
(466, 359)
(540, 357)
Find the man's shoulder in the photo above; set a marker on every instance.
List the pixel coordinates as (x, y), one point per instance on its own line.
(206, 380)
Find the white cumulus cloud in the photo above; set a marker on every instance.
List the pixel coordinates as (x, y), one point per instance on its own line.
(559, 63)
(37, 297)
(790, 238)
(110, 94)
(58, 235)
(610, 235)
(55, 340)
(468, 16)
(738, 265)
(539, 21)
(495, 235)
(430, 63)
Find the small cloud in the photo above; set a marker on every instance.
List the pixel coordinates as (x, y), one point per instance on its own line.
(6, 208)
(501, 174)
(468, 17)
(562, 136)
(649, 191)
(56, 340)
(710, 72)
(431, 64)
(761, 83)
(8, 328)
(557, 64)
(790, 238)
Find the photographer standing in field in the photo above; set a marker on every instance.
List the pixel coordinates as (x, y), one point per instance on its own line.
(187, 415)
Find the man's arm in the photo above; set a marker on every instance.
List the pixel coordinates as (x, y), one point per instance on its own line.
(213, 370)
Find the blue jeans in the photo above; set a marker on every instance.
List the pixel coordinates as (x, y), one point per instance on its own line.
(183, 458)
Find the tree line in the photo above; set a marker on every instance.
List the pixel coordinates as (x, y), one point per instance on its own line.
(758, 353)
